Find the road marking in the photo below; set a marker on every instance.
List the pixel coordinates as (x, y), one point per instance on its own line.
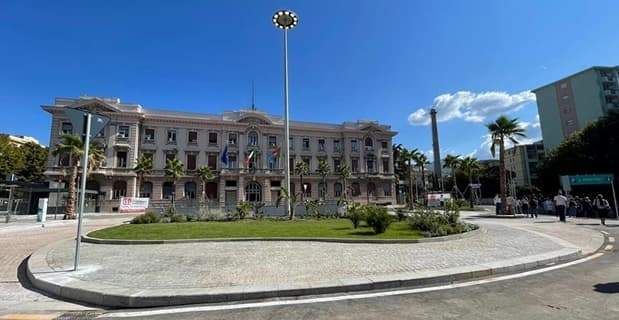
(342, 297)
(611, 239)
(608, 247)
(604, 232)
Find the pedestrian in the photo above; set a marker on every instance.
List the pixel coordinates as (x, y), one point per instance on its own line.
(587, 207)
(497, 204)
(601, 207)
(524, 203)
(533, 206)
(560, 203)
(571, 207)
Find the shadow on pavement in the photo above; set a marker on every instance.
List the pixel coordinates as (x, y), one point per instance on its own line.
(609, 287)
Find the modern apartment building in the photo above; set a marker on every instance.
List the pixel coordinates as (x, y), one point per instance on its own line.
(20, 140)
(523, 160)
(568, 105)
(251, 140)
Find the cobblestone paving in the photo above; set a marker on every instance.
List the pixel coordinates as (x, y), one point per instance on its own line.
(222, 264)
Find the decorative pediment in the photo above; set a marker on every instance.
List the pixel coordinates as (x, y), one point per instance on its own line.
(372, 127)
(94, 105)
(255, 119)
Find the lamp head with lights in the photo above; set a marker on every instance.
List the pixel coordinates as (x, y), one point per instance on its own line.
(285, 19)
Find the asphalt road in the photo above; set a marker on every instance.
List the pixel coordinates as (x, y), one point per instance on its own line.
(589, 290)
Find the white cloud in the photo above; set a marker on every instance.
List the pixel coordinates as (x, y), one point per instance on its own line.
(536, 122)
(471, 106)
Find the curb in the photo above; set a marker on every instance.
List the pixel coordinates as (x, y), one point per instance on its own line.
(86, 238)
(52, 281)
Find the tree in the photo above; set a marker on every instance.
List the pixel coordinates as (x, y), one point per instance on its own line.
(301, 169)
(422, 161)
(34, 162)
(174, 171)
(285, 195)
(70, 146)
(453, 162)
(470, 166)
(11, 158)
(501, 130)
(205, 174)
(323, 171)
(143, 166)
(408, 157)
(344, 172)
(96, 157)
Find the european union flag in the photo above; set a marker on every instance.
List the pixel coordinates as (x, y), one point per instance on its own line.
(224, 156)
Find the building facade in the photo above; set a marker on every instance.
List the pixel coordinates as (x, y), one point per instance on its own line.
(522, 161)
(21, 140)
(570, 104)
(201, 140)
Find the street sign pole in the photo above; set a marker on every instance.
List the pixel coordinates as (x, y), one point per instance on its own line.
(82, 191)
(612, 186)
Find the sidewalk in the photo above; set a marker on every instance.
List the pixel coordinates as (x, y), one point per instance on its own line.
(157, 275)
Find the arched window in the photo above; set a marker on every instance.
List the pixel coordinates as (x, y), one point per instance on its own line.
(322, 188)
(253, 192)
(355, 189)
(167, 190)
(307, 188)
(369, 142)
(146, 190)
(292, 188)
(211, 190)
(371, 188)
(337, 189)
(119, 189)
(252, 138)
(190, 190)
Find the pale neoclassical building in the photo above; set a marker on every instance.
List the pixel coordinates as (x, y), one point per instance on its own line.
(200, 139)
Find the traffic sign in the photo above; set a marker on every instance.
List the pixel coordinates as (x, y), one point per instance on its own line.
(78, 118)
(597, 179)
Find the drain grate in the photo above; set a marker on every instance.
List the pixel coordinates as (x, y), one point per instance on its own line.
(79, 315)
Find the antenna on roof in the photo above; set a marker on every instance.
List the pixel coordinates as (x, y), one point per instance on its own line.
(253, 96)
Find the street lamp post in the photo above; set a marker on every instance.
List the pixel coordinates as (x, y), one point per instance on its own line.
(286, 19)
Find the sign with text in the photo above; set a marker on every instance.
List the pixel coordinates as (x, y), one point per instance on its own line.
(594, 179)
(128, 204)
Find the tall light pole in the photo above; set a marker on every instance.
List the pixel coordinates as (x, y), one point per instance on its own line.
(286, 19)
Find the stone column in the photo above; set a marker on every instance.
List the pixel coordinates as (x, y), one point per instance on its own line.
(179, 189)
(132, 187)
(157, 193)
(266, 191)
(241, 189)
(222, 191)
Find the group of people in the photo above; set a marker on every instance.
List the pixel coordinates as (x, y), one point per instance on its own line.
(561, 205)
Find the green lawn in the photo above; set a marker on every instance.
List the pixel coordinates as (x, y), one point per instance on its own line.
(327, 228)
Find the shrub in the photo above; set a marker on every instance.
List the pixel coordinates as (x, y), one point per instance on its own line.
(243, 209)
(377, 218)
(312, 208)
(178, 218)
(401, 214)
(356, 214)
(435, 224)
(148, 217)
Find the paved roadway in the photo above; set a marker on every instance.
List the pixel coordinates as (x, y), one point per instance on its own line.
(589, 290)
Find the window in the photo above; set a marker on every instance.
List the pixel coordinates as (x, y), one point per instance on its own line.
(231, 183)
(563, 85)
(354, 165)
(355, 189)
(370, 165)
(149, 135)
(146, 190)
(290, 143)
(291, 164)
(121, 159)
(276, 183)
(253, 192)
(337, 146)
(123, 132)
(232, 138)
(387, 189)
(67, 128)
(172, 136)
(191, 161)
(384, 144)
(212, 138)
(337, 189)
(232, 163)
(369, 143)
(371, 189)
(273, 163)
(307, 189)
(336, 164)
(192, 137)
(170, 156)
(119, 189)
(386, 165)
(272, 141)
(308, 161)
(354, 146)
(321, 144)
(306, 144)
(211, 161)
(252, 139)
(168, 190)
(190, 190)
(322, 188)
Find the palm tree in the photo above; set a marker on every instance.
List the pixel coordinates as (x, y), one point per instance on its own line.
(344, 172)
(301, 169)
(285, 195)
(72, 147)
(323, 171)
(205, 174)
(422, 161)
(174, 171)
(143, 166)
(409, 156)
(503, 129)
(470, 166)
(453, 162)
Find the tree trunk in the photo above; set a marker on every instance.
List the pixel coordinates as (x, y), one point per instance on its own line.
(302, 190)
(410, 185)
(471, 189)
(453, 172)
(423, 184)
(69, 210)
(502, 178)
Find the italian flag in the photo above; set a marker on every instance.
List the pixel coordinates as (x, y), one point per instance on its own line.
(251, 155)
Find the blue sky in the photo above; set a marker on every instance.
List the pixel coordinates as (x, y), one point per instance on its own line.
(379, 60)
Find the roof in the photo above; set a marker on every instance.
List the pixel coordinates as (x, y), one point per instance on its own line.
(575, 74)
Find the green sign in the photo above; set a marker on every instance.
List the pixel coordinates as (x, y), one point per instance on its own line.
(591, 179)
